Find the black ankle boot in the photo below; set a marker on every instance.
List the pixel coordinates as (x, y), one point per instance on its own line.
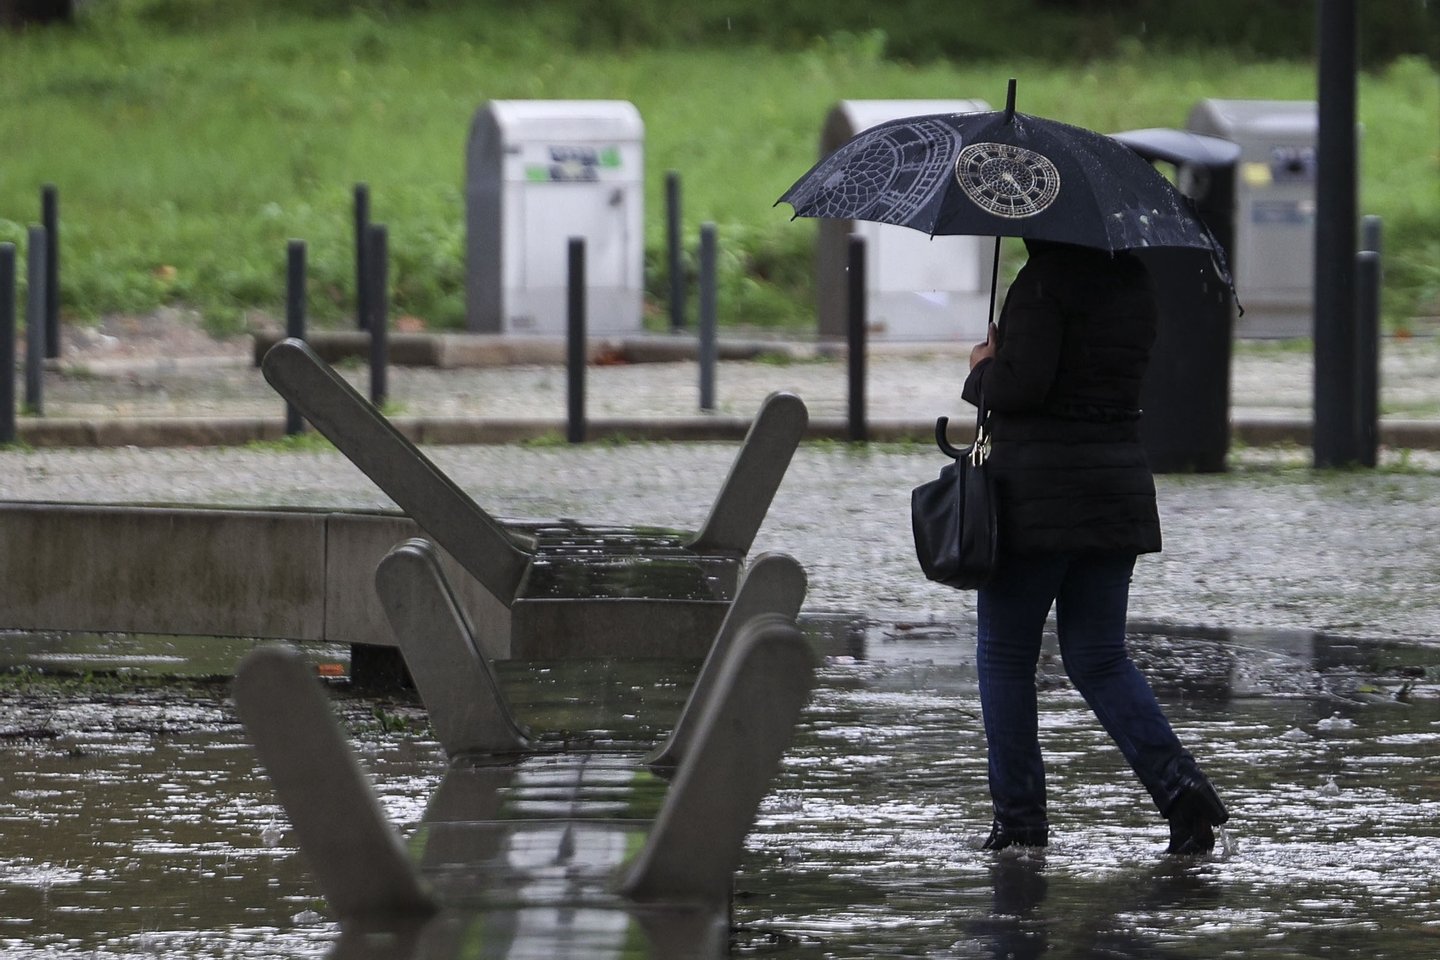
(1193, 816)
(1002, 836)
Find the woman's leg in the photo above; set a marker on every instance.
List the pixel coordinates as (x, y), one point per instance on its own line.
(1012, 611)
(1090, 615)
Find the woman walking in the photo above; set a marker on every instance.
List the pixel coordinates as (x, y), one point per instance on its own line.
(1076, 506)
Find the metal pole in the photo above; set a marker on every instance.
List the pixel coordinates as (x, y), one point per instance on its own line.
(1335, 441)
(377, 299)
(708, 352)
(1367, 357)
(50, 219)
(855, 339)
(575, 343)
(672, 246)
(7, 343)
(294, 318)
(35, 323)
(362, 279)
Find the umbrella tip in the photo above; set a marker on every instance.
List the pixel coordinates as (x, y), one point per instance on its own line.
(1010, 101)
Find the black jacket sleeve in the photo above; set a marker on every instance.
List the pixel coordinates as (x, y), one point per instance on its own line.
(1020, 375)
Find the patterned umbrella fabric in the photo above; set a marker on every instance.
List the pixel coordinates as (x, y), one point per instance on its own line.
(1003, 173)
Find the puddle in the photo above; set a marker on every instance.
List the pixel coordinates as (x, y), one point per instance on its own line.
(142, 655)
(1323, 749)
(136, 823)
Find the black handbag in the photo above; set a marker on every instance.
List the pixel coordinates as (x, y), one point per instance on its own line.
(953, 516)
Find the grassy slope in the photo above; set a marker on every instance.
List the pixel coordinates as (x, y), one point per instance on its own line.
(184, 161)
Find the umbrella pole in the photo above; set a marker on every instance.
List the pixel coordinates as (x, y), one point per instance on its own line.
(994, 277)
(995, 263)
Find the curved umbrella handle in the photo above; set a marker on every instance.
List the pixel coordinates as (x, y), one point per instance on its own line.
(943, 442)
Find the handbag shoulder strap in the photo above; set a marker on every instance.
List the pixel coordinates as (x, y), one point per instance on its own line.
(979, 450)
(982, 412)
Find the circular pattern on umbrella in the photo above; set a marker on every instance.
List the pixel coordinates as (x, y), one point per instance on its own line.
(886, 174)
(1007, 180)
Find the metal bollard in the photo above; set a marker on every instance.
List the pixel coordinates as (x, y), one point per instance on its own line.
(1367, 357)
(7, 343)
(50, 219)
(294, 318)
(1334, 440)
(707, 349)
(377, 299)
(575, 343)
(1372, 230)
(672, 247)
(362, 277)
(855, 339)
(1369, 281)
(35, 323)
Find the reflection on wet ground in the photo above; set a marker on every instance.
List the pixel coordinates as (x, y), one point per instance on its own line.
(1323, 750)
(135, 822)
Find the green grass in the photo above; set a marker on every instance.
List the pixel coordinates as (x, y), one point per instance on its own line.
(1288, 345)
(186, 158)
(307, 441)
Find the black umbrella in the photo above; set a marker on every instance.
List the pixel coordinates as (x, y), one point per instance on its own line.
(1003, 174)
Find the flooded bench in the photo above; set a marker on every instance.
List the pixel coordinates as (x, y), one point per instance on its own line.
(529, 848)
(557, 588)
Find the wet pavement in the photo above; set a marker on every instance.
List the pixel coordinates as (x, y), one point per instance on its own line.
(132, 375)
(870, 838)
(137, 824)
(1270, 544)
(1291, 626)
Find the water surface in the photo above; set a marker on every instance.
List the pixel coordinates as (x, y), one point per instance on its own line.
(136, 822)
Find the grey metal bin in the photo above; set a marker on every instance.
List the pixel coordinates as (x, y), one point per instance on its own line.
(538, 172)
(1274, 245)
(919, 288)
(1186, 393)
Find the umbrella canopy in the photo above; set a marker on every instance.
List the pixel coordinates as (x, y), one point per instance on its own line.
(1002, 173)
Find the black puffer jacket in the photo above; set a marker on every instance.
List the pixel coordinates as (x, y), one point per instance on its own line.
(1064, 390)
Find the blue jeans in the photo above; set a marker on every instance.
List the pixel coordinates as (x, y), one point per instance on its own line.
(1090, 593)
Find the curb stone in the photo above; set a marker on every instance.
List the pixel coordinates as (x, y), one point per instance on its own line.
(237, 431)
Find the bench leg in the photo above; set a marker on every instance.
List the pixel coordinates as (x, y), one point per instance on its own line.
(454, 678)
(363, 434)
(745, 497)
(773, 584)
(694, 848)
(355, 854)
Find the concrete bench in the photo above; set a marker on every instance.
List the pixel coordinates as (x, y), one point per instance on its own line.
(605, 590)
(534, 588)
(526, 848)
(308, 574)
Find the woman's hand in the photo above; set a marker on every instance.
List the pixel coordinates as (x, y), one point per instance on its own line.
(986, 350)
